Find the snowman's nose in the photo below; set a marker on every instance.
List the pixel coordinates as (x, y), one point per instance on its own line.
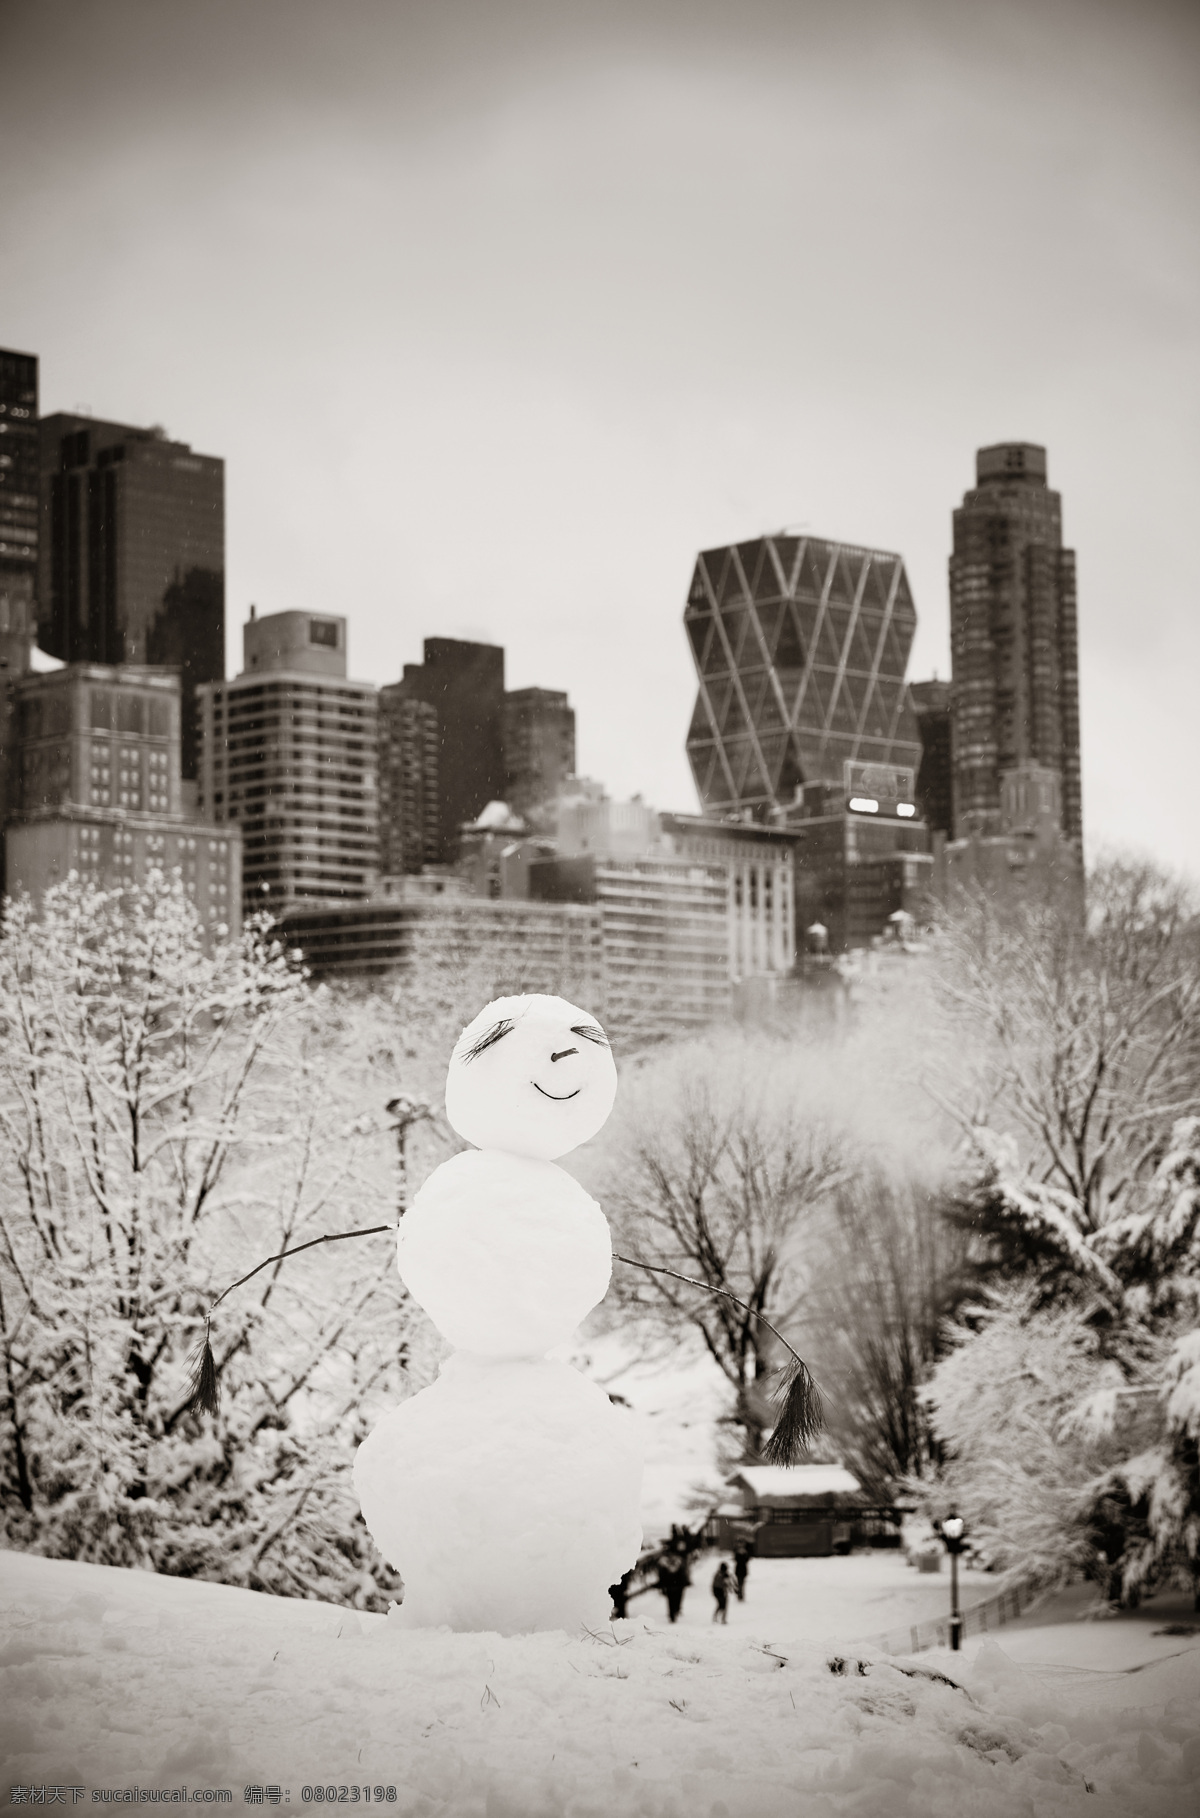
(563, 1053)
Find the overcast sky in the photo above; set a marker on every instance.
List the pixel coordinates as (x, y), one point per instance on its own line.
(499, 311)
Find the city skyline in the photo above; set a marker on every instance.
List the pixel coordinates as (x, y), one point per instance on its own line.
(447, 296)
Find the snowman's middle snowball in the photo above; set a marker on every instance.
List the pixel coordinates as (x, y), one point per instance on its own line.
(506, 1254)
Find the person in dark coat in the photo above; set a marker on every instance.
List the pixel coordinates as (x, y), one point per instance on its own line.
(720, 1590)
(741, 1566)
(673, 1580)
(619, 1593)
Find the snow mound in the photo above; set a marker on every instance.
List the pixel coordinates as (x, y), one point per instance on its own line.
(113, 1679)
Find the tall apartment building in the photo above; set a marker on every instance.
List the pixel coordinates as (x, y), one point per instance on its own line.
(18, 538)
(538, 740)
(1013, 633)
(131, 566)
(288, 752)
(18, 496)
(409, 829)
(97, 789)
(800, 647)
(464, 684)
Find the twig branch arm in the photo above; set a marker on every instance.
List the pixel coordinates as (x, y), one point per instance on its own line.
(204, 1387)
(331, 1237)
(800, 1416)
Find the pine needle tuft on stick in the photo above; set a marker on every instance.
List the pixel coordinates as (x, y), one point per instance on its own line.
(204, 1388)
(800, 1417)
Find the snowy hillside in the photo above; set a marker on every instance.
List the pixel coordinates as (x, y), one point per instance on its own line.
(114, 1680)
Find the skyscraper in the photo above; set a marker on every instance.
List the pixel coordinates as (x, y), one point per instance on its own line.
(409, 836)
(96, 789)
(803, 719)
(538, 738)
(288, 751)
(132, 554)
(464, 683)
(1015, 689)
(935, 776)
(18, 543)
(800, 649)
(18, 501)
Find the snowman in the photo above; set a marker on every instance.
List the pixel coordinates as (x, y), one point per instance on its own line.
(506, 1494)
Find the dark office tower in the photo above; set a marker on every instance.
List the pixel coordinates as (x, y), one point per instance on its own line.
(538, 730)
(18, 506)
(1015, 693)
(935, 773)
(464, 683)
(132, 563)
(18, 544)
(800, 648)
(408, 782)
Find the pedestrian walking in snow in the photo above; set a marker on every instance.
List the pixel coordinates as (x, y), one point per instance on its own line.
(619, 1593)
(720, 1590)
(741, 1566)
(673, 1580)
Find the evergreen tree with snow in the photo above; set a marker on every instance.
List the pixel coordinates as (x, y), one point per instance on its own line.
(1070, 1400)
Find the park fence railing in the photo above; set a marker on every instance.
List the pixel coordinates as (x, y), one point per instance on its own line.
(979, 1619)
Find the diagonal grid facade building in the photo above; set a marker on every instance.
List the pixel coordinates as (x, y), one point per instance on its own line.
(800, 647)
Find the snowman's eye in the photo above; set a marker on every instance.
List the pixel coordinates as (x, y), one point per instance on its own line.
(590, 1033)
(496, 1033)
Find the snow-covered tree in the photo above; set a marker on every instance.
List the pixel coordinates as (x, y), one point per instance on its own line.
(1078, 1036)
(169, 1116)
(886, 1270)
(716, 1169)
(1076, 1078)
(1026, 1402)
(1072, 1419)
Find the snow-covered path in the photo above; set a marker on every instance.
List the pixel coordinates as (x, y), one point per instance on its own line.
(869, 1595)
(866, 1594)
(114, 1680)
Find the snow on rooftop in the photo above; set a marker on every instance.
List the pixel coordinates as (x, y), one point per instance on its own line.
(498, 817)
(797, 1480)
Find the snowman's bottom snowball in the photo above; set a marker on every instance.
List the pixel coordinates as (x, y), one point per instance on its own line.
(506, 1495)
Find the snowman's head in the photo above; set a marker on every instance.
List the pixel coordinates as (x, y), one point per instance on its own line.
(531, 1075)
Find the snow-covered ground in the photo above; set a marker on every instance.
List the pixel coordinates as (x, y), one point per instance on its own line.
(114, 1680)
(866, 1595)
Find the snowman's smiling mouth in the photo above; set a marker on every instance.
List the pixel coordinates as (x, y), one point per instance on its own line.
(558, 1097)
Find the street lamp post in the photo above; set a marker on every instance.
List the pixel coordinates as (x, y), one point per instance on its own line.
(953, 1529)
(404, 1113)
